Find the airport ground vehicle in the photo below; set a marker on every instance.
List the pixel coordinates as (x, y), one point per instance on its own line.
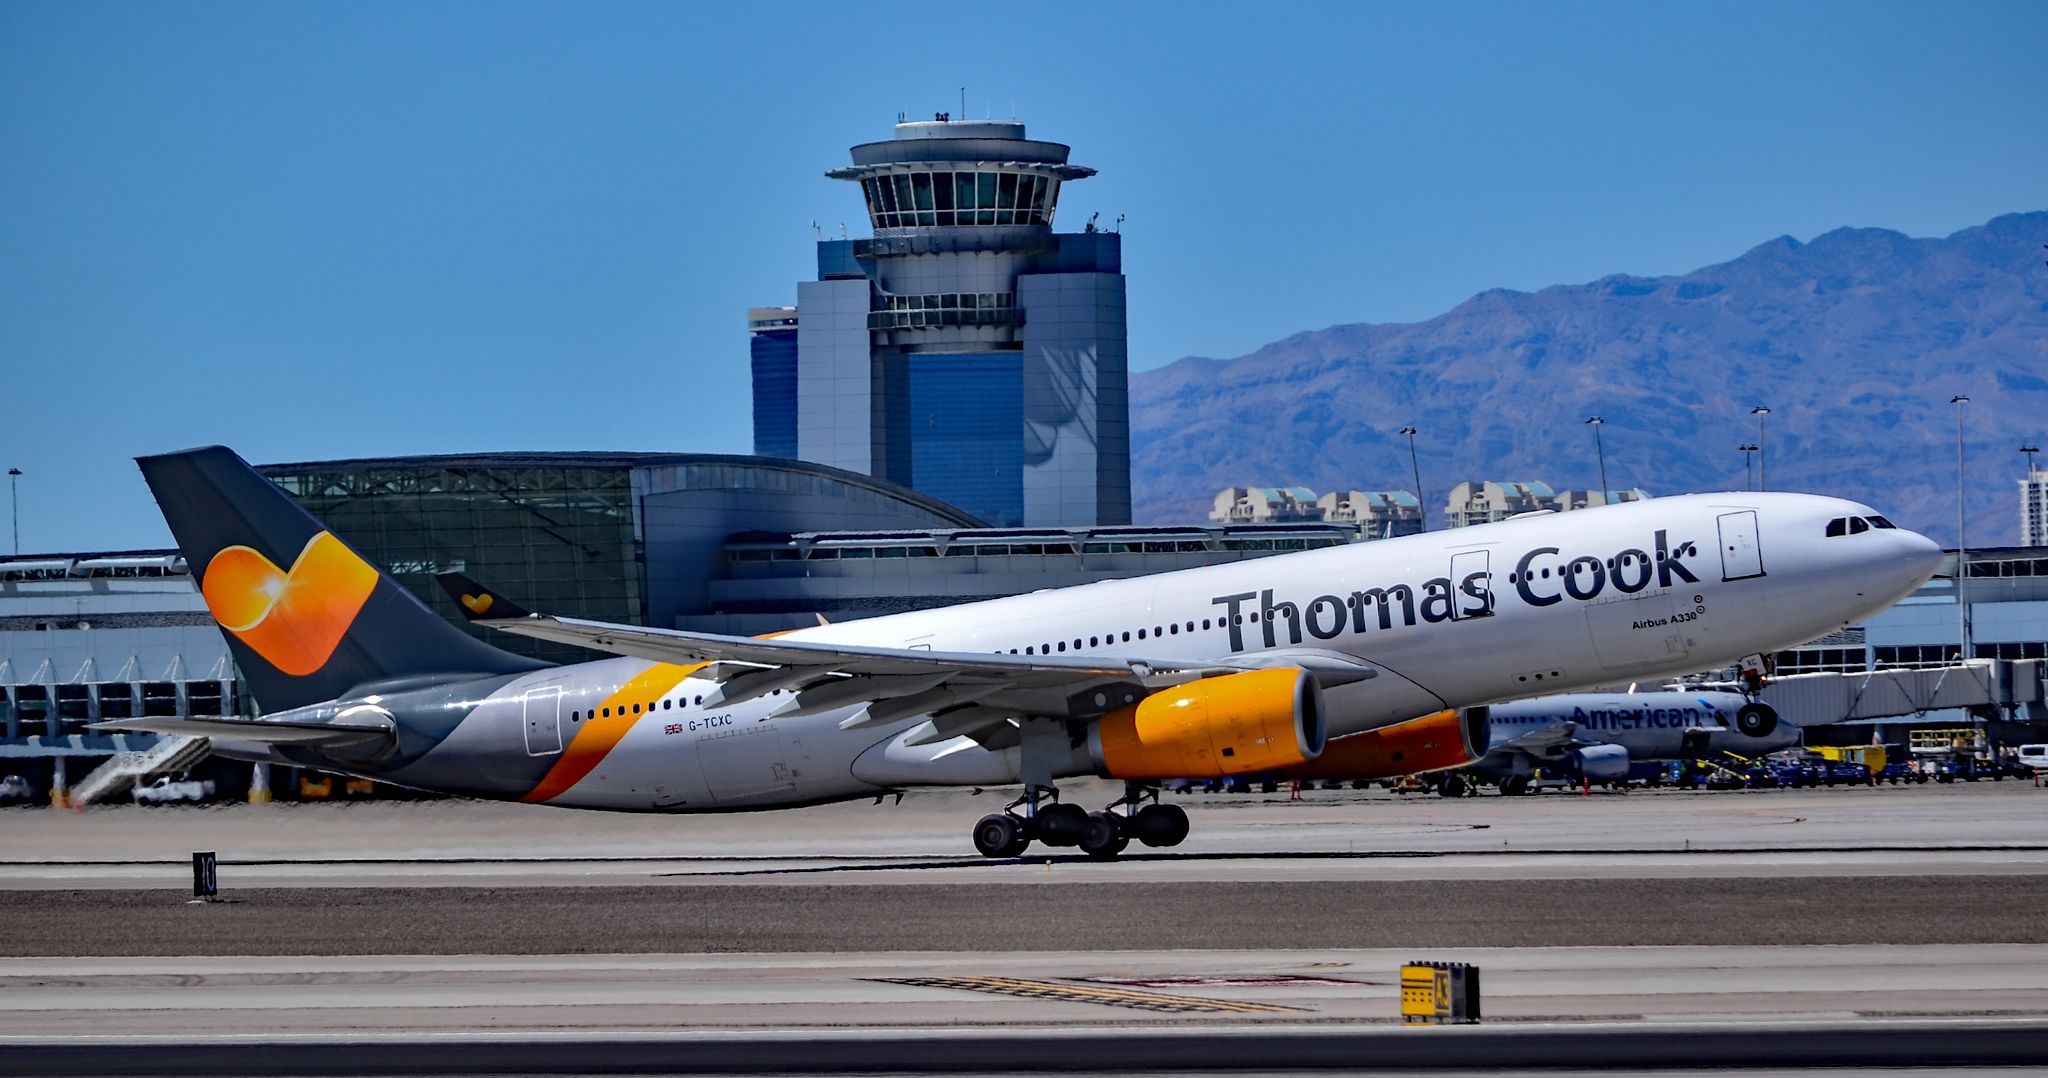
(1846, 772)
(1896, 772)
(171, 791)
(2033, 757)
(15, 790)
(315, 786)
(1321, 663)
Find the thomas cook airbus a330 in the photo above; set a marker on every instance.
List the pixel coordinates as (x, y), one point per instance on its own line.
(1370, 658)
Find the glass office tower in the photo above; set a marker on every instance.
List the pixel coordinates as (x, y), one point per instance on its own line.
(771, 338)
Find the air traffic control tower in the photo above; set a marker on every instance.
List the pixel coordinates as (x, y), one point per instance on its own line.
(967, 351)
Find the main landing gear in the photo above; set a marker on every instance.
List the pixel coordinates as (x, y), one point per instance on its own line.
(1102, 834)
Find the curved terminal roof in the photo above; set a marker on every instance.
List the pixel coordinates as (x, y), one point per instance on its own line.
(627, 462)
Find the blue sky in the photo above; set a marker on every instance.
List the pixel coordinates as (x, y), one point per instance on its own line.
(319, 230)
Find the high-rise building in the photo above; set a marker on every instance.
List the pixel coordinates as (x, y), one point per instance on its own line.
(967, 350)
(771, 337)
(2034, 506)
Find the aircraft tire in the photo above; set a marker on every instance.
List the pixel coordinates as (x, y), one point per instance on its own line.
(1454, 786)
(1000, 834)
(1060, 825)
(1105, 836)
(1161, 825)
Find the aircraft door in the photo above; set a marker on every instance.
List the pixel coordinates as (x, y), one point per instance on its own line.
(1741, 558)
(543, 707)
(1477, 601)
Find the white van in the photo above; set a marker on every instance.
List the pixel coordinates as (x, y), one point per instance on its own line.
(2034, 756)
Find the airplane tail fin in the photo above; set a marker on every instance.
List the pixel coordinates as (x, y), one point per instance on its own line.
(478, 602)
(307, 618)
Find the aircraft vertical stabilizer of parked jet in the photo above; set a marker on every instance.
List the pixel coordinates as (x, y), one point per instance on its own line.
(1242, 668)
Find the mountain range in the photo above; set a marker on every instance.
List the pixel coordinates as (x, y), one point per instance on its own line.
(1856, 341)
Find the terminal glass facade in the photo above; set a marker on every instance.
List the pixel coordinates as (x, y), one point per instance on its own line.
(557, 536)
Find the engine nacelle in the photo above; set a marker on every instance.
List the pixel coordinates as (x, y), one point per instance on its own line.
(1600, 762)
(1446, 739)
(1262, 720)
(1756, 719)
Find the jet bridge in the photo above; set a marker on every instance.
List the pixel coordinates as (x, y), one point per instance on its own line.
(1990, 688)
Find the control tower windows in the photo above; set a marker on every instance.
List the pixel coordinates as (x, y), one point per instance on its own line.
(981, 197)
(944, 309)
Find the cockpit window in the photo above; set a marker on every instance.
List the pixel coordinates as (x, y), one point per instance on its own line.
(1838, 526)
(1858, 525)
(1880, 522)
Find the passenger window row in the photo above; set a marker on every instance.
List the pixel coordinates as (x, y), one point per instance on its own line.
(1114, 637)
(666, 704)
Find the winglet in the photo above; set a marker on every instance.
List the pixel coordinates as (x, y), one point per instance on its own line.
(479, 603)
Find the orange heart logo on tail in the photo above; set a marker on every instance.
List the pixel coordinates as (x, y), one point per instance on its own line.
(478, 604)
(293, 619)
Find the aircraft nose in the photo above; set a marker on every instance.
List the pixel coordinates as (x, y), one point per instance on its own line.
(1921, 555)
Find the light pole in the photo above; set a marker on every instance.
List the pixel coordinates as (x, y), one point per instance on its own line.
(1748, 465)
(1962, 534)
(1421, 506)
(1596, 423)
(1763, 462)
(14, 503)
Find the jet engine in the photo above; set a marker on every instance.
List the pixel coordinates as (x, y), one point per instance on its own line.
(1435, 742)
(1600, 762)
(1262, 720)
(1756, 719)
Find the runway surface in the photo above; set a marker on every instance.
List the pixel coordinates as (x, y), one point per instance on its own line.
(1770, 928)
(1966, 829)
(1031, 915)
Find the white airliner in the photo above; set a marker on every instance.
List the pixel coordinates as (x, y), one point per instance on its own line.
(1323, 660)
(1596, 736)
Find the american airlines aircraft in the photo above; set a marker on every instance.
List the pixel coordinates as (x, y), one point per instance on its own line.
(1375, 653)
(1598, 735)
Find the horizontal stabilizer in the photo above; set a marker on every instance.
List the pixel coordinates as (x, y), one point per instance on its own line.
(322, 734)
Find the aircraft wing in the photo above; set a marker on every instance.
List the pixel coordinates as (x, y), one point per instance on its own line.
(1548, 742)
(969, 693)
(678, 646)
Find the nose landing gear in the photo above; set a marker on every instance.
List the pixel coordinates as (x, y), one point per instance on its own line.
(1102, 834)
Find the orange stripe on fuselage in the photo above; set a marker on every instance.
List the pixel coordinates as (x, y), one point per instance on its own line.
(600, 733)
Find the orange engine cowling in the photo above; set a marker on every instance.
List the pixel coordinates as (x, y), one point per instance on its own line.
(1435, 742)
(1262, 720)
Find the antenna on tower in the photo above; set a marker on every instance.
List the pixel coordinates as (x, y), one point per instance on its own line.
(819, 231)
(963, 102)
